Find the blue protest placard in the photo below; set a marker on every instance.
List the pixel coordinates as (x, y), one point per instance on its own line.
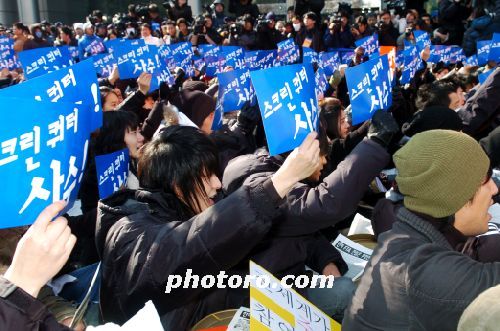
(457, 54)
(412, 63)
(161, 75)
(235, 89)
(235, 56)
(7, 55)
(422, 39)
(73, 52)
(40, 61)
(215, 64)
(112, 172)
(440, 53)
(309, 55)
(166, 56)
(370, 44)
(261, 59)
(369, 86)
(329, 62)
(42, 156)
(483, 51)
(346, 57)
(209, 50)
(183, 57)
(118, 42)
(95, 47)
(494, 54)
(288, 52)
(321, 81)
(198, 62)
(103, 64)
(134, 60)
(76, 84)
(484, 76)
(288, 104)
(471, 61)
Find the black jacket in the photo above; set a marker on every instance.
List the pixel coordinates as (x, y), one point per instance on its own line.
(309, 209)
(142, 239)
(481, 112)
(20, 311)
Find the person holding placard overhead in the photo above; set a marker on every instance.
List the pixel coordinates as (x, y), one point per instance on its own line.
(174, 223)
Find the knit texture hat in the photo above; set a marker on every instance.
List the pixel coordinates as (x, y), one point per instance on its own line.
(439, 171)
(196, 105)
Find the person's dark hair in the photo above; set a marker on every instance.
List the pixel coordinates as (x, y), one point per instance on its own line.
(435, 94)
(146, 25)
(105, 91)
(362, 20)
(330, 115)
(312, 16)
(19, 25)
(177, 162)
(66, 30)
(111, 136)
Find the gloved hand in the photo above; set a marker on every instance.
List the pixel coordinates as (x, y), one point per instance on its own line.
(382, 128)
(166, 91)
(248, 117)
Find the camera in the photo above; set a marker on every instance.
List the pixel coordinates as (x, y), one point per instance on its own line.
(395, 4)
(235, 29)
(168, 4)
(199, 26)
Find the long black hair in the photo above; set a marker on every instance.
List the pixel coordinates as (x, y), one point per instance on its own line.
(177, 163)
(111, 136)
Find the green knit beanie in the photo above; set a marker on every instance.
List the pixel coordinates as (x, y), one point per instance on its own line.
(439, 171)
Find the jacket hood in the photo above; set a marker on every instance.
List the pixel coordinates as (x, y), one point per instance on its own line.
(244, 166)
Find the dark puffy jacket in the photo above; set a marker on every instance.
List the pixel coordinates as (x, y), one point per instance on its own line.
(176, 12)
(20, 311)
(481, 112)
(309, 209)
(416, 281)
(142, 240)
(236, 8)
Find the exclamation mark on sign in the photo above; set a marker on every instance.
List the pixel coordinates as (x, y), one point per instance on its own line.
(94, 91)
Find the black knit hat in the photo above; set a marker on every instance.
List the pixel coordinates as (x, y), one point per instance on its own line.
(196, 105)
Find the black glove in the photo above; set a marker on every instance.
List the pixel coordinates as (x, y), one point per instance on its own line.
(382, 128)
(248, 117)
(166, 92)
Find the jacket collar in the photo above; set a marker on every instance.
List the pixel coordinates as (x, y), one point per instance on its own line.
(423, 227)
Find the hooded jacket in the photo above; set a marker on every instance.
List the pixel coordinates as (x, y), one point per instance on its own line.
(142, 239)
(415, 280)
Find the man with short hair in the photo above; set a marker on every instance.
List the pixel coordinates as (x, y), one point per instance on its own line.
(417, 278)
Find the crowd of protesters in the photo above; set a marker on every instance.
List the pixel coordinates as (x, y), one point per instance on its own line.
(214, 200)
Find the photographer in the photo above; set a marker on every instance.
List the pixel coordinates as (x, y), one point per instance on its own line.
(339, 33)
(452, 13)
(211, 32)
(178, 9)
(361, 29)
(406, 38)
(218, 16)
(153, 15)
(199, 35)
(388, 34)
(242, 7)
(267, 36)
(243, 36)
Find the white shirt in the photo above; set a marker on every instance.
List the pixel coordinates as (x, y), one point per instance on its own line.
(153, 41)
